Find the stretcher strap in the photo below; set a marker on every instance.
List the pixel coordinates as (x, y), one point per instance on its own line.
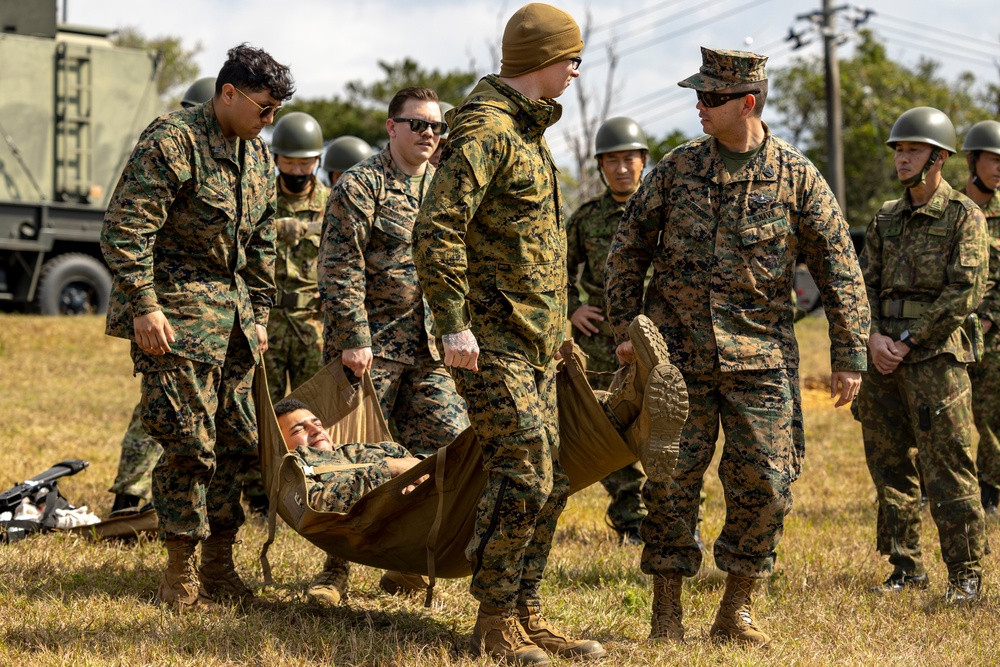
(432, 536)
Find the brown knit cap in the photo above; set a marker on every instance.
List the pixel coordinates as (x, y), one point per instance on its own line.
(536, 36)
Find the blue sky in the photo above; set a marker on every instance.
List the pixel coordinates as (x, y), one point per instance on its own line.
(330, 42)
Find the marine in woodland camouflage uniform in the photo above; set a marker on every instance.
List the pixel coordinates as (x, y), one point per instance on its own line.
(373, 304)
(139, 452)
(722, 220)
(357, 468)
(982, 146)
(925, 264)
(588, 237)
(190, 242)
(490, 250)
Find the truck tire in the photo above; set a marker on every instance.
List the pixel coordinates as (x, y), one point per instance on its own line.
(73, 284)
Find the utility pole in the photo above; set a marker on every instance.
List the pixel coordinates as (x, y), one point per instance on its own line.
(826, 20)
(834, 120)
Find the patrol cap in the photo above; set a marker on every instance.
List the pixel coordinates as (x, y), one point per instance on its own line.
(723, 68)
(536, 36)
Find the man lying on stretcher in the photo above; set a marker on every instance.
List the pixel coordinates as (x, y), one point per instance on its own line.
(365, 466)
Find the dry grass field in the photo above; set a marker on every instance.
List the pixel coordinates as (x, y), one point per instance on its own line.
(66, 391)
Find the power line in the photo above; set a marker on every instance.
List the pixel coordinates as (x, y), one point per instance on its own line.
(642, 13)
(936, 30)
(941, 49)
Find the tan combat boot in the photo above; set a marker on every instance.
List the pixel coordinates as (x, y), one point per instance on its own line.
(625, 396)
(179, 584)
(395, 582)
(667, 614)
(218, 574)
(330, 586)
(734, 620)
(499, 634)
(655, 434)
(542, 634)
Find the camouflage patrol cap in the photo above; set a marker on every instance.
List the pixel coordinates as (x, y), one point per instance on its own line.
(722, 68)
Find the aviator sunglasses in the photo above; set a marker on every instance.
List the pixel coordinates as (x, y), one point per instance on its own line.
(264, 111)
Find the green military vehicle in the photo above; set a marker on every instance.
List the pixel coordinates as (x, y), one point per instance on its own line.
(71, 108)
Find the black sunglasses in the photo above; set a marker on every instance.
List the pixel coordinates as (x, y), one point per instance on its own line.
(418, 125)
(712, 100)
(576, 62)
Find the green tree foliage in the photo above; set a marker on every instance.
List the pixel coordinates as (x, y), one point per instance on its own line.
(660, 147)
(362, 110)
(178, 70)
(874, 92)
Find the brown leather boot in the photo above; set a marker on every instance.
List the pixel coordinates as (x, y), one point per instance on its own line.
(218, 574)
(734, 620)
(499, 634)
(666, 624)
(330, 586)
(542, 634)
(179, 584)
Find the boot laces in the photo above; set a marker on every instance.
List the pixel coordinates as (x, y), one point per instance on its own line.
(518, 635)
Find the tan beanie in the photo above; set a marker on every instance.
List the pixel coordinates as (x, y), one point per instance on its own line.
(536, 36)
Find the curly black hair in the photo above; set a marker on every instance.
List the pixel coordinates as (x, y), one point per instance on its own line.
(286, 405)
(253, 70)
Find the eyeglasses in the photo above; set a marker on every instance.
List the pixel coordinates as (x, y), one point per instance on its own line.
(264, 111)
(712, 100)
(418, 125)
(576, 62)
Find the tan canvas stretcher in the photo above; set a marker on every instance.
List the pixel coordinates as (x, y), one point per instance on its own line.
(424, 531)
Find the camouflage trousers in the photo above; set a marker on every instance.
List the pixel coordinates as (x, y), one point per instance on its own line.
(761, 415)
(203, 417)
(294, 354)
(985, 377)
(626, 509)
(923, 410)
(513, 410)
(138, 456)
(420, 402)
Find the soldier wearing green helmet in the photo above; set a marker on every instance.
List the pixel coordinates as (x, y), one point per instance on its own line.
(342, 154)
(199, 92)
(295, 328)
(621, 152)
(925, 265)
(982, 152)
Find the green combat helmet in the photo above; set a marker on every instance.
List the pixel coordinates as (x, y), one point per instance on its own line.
(926, 125)
(199, 92)
(983, 136)
(345, 152)
(297, 135)
(620, 134)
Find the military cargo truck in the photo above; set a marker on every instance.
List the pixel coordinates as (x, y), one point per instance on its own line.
(72, 106)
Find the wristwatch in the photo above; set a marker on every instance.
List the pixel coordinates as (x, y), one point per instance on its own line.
(907, 340)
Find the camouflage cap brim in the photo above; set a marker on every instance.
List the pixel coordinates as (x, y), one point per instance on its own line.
(723, 68)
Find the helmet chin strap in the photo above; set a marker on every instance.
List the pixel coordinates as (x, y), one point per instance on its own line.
(978, 182)
(917, 179)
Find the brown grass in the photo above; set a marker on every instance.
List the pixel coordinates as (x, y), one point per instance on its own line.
(66, 391)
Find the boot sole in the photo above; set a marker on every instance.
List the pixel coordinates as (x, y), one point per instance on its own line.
(647, 343)
(665, 408)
